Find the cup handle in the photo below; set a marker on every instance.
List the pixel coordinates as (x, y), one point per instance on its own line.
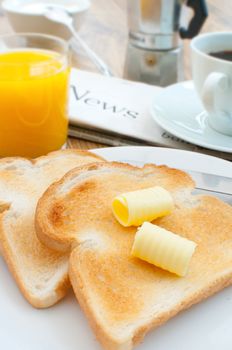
(215, 85)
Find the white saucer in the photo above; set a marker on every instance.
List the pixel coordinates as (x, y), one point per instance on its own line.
(178, 110)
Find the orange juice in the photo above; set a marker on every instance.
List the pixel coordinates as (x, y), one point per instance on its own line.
(33, 102)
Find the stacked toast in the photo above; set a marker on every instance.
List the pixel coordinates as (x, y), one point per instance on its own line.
(57, 227)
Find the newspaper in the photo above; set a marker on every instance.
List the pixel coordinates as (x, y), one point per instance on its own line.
(116, 112)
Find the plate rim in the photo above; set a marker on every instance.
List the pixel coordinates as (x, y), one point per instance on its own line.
(149, 149)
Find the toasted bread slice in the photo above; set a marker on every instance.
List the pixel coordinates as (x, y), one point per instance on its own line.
(41, 273)
(124, 297)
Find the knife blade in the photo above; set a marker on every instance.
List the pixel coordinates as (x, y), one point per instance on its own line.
(211, 182)
(219, 186)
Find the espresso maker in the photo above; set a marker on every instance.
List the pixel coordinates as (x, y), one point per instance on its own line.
(154, 50)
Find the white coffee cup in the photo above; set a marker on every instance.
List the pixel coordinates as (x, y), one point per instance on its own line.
(213, 78)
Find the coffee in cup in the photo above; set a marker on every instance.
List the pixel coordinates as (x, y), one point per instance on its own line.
(212, 76)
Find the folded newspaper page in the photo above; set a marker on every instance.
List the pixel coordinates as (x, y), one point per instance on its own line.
(116, 112)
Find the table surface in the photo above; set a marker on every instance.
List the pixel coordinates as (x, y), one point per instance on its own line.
(105, 30)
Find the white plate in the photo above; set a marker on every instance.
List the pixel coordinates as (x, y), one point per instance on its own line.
(178, 110)
(64, 327)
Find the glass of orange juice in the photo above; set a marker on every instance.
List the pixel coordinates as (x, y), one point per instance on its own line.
(34, 79)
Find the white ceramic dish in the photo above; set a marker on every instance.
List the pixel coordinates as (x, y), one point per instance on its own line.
(27, 15)
(64, 327)
(178, 110)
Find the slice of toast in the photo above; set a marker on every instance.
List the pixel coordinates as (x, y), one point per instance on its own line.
(124, 297)
(41, 274)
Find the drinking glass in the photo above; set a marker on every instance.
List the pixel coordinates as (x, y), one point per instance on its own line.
(34, 86)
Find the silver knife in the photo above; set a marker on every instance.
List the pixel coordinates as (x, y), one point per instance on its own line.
(219, 186)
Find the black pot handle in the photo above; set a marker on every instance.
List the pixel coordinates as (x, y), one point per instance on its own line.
(200, 14)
